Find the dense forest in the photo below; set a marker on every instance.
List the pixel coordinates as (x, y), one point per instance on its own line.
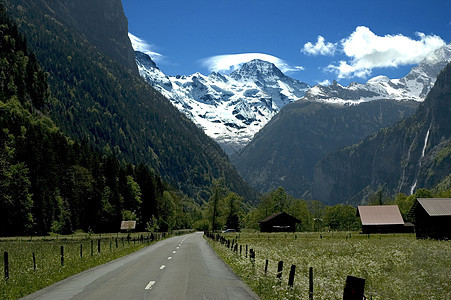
(49, 182)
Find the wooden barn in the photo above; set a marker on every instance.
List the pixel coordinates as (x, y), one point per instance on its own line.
(279, 222)
(432, 218)
(382, 219)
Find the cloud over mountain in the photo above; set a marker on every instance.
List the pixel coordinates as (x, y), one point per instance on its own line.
(365, 51)
(231, 62)
(141, 45)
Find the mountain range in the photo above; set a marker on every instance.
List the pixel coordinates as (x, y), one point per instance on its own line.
(284, 153)
(414, 86)
(229, 108)
(233, 108)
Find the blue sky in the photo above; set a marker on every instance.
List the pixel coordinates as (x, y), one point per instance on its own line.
(310, 40)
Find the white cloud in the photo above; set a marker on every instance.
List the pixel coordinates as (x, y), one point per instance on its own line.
(320, 48)
(367, 50)
(230, 62)
(324, 82)
(141, 45)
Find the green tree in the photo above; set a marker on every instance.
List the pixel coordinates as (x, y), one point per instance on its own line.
(15, 199)
(299, 209)
(166, 212)
(234, 203)
(341, 217)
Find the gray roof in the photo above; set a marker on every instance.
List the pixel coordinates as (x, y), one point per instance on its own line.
(380, 215)
(436, 206)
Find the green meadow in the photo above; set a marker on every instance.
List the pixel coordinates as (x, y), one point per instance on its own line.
(81, 252)
(394, 266)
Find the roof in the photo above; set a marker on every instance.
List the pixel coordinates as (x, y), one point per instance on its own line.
(279, 215)
(128, 225)
(380, 215)
(436, 206)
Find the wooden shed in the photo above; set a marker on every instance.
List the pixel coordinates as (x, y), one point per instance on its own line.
(382, 219)
(128, 225)
(279, 222)
(432, 218)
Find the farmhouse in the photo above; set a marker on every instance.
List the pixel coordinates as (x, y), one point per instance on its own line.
(279, 222)
(432, 217)
(382, 219)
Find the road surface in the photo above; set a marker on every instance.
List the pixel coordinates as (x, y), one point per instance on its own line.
(182, 267)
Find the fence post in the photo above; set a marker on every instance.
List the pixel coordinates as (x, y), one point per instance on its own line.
(34, 261)
(116, 242)
(5, 254)
(279, 269)
(252, 255)
(291, 277)
(98, 245)
(92, 247)
(62, 256)
(81, 250)
(246, 252)
(266, 267)
(310, 292)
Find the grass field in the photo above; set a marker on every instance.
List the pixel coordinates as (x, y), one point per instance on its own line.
(25, 279)
(394, 266)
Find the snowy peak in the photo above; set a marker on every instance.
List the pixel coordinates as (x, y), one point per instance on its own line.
(257, 70)
(229, 108)
(145, 60)
(414, 86)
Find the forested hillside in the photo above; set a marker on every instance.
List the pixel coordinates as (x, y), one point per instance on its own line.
(414, 153)
(285, 151)
(49, 182)
(103, 102)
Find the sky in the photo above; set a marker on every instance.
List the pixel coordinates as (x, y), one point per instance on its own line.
(314, 41)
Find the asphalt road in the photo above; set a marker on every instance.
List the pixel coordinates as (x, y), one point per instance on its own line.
(183, 267)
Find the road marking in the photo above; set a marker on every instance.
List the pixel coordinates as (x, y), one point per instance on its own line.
(174, 251)
(162, 267)
(178, 248)
(169, 257)
(150, 284)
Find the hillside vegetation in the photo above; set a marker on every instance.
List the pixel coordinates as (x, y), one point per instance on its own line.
(103, 102)
(50, 182)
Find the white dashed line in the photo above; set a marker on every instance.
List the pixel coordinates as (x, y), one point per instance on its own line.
(169, 257)
(162, 267)
(150, 284)
(174, 251)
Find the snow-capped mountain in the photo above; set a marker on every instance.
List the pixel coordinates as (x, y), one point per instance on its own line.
(414, 86)
(230, 108)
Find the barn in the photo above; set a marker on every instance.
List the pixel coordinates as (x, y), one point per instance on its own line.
(432, 218)
(279, 222)
(381, 219)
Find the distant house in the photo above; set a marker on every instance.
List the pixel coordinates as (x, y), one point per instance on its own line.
(279, 222)
(382, 219)
(432, 217)
(128, 225)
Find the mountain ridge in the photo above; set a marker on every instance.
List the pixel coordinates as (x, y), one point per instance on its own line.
(413, 153)
(230, 108)
(414, 86)
(285, 151)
